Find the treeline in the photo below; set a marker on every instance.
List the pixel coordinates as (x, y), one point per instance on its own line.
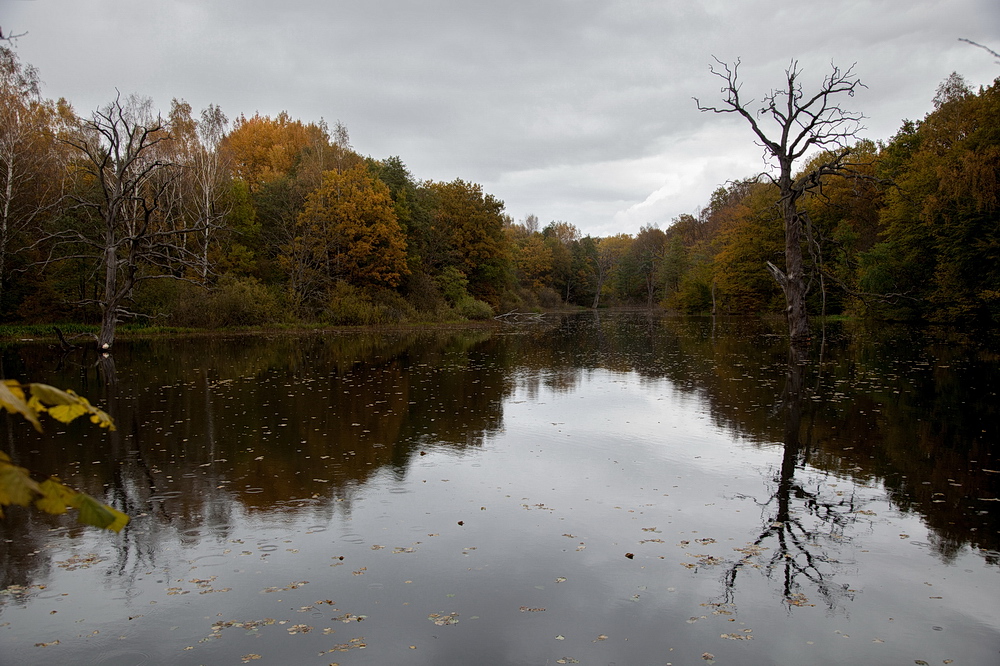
(274, 220)
(911, 232)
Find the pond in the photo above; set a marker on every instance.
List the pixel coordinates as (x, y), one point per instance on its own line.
(612, 488)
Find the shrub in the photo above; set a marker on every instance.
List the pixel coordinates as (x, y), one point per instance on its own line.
(351, 306)
(244, 302)
(549, 298)
(423, 292)
(235, 301)
(473, 308)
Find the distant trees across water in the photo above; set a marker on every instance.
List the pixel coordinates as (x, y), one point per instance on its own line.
(191, 219)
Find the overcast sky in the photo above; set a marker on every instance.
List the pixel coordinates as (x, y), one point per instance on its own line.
(574, 110)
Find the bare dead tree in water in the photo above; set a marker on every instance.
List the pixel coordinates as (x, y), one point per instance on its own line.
(801, 124)
(125, 175)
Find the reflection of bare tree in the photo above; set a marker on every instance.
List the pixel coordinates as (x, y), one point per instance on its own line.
(803, 524)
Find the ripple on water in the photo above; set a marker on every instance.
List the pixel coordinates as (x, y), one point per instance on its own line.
(217, 558)
(352, 537)
(169, 494)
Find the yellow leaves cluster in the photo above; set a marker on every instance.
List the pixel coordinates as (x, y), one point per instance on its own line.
(63, 406)
(51, 496)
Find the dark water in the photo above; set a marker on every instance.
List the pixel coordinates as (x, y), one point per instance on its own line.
(614, 490)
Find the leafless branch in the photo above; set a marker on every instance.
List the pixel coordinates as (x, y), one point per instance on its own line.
(985, 48)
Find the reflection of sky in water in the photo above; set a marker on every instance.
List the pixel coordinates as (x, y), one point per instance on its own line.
(525, 539)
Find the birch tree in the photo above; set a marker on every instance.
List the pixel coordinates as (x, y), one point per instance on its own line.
(31, 172)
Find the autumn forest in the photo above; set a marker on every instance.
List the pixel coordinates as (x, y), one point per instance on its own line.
(190, 218)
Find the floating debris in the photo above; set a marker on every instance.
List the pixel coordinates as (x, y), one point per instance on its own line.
(443, 620)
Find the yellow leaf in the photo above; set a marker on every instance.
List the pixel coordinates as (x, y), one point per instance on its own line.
(55, 496)
(15, 387)
(101, 418)
(67, 413)
(92, 512)
(16, 486)
(50, 395)
(65, 406)
(12, 399)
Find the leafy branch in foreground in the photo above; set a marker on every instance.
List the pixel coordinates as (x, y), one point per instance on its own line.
(51, 496)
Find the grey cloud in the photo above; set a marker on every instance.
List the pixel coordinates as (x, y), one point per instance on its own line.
(577, 110)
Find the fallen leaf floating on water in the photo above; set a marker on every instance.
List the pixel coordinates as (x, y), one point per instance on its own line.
(350, 617)
(353, 644)
(745, 636)
(708, 656)
(443, 620)
(290, 586)
(250, 657)
(524, 609)
(567, 660)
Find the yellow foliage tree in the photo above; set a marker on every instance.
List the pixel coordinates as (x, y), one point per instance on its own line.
(348, 231)
(51, 496)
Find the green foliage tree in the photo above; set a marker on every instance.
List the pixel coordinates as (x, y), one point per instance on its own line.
(466, 230)
(750, 236)
(606, 260)
(842, 215)
(640, 267)
(938, 257)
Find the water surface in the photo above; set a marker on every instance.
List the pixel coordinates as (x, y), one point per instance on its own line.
(612, 489)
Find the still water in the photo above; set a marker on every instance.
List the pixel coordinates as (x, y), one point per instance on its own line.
(614, 489)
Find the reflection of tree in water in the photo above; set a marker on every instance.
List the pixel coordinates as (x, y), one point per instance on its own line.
(803, 526)
(296, 427)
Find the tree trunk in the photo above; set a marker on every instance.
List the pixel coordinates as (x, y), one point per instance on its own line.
(795, 285)
(597, 293)
(109, 302)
